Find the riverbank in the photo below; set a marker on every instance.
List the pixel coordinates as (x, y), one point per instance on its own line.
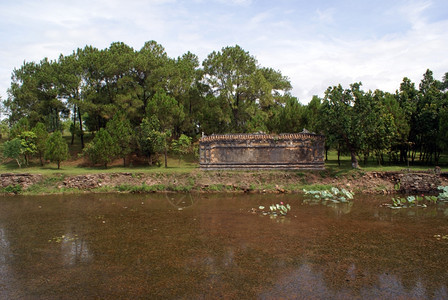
(357, 181)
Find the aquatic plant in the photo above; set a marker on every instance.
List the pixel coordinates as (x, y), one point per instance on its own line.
(443, 196)
(441, 237)
(418, 200)
(64, 238)
(279, 209)
(334, 195)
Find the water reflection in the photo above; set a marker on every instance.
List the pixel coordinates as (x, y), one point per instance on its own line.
(208, 246)
(306, 283)
(74, 250)
(181, 201)
(5, 274)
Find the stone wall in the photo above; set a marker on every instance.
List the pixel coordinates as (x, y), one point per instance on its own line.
(419, 182)
(24, 180)
(262, 151)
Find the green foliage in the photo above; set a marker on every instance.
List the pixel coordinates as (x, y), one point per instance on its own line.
(419, 200)
(21, 147)
(181, 146)
(144, 188)
(103, 149)
(290, 118)
(243, 89)
(41, 139)
(4, 130)
(13, 149)
(275, 210)
(29, 147)
(12, 189)
(120, 88)
(334, 195)
(56, 148)
(443, 195)
(120, 130)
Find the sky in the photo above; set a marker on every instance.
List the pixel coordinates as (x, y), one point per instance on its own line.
(316, 44)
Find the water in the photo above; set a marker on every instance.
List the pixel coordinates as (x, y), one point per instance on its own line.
(181, 246)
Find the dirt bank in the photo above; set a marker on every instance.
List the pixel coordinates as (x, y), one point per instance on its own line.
(230, 181)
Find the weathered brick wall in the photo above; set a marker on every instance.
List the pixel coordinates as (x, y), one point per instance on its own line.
(262, 151)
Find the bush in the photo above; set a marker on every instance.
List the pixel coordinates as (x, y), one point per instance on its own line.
(12, 189)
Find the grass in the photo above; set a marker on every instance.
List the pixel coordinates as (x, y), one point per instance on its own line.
(314, 187)
(77, 166)
(372, 165)
(68, 168)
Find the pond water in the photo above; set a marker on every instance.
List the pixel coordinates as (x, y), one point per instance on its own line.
(176, 246)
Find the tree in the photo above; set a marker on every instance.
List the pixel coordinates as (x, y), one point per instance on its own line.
(4, 129)
(28, 140)
(102, 149)
(56, 149)
(41, 140)
(34, 94)
(13, 149)
(312, 115)
(72, 79)
(289, 118)
(164, 112)
(184, 85)
(20, 126)
(181, 146)
(345, 111)
(151, 74)
(430, 101)
(159, 141)
(120, 130)
(238, 82)
(407, 98)
(153, 141)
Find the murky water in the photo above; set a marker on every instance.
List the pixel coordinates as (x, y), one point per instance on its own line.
(210, 246)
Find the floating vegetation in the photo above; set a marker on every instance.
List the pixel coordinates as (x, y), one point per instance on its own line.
(443, 196)
(418, 200)
(440, 237)
(63, 238)
(334, 195)
(275, 210)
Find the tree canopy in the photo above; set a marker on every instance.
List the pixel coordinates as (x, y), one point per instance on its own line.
(138, 101)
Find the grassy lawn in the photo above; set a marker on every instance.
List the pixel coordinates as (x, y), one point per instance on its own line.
(73, 169)
(372, 164)
(77, 166)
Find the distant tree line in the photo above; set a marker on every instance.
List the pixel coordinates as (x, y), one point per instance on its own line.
(146, 103)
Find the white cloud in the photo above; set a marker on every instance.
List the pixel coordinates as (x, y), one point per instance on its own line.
(236, 2)
(325, 15)
(413, 12)
(314, 45)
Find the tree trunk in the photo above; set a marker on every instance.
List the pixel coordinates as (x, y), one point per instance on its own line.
(355, 164)
(74, 124)
(339, 154)
(166, 157)
(81, 132)
(59, 164)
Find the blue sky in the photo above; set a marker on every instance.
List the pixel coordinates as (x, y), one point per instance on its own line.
(316, 44)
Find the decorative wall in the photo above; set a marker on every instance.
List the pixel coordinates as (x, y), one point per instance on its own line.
(262, 151)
